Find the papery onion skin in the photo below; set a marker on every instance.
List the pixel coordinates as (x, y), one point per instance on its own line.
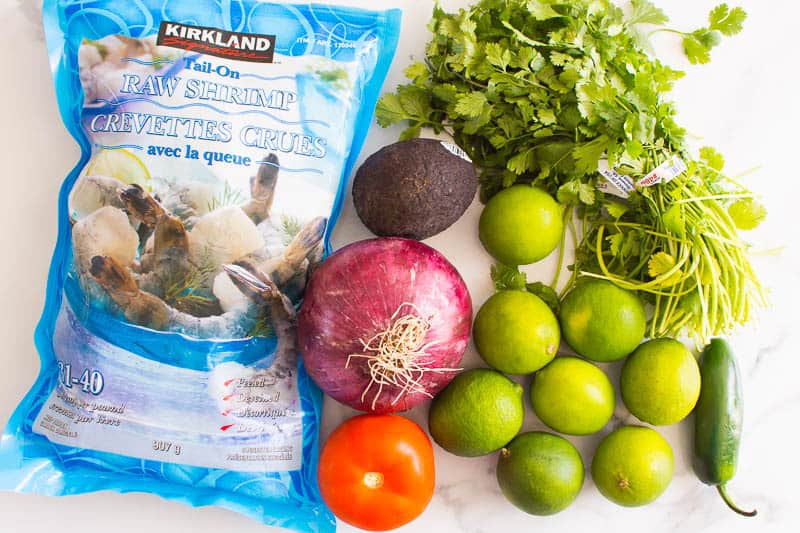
(353, 296)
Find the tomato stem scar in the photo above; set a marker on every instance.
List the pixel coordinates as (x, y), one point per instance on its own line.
(373, 480)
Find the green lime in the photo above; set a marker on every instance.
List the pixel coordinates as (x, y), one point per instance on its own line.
(572, 396)
(601, 321)
(515, 332)
(633, 465)
(660, 382)
(119, 163)
(540, 473)
(478, 413)
(521, 225)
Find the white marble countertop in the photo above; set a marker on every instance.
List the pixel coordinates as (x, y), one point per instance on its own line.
(745, 103)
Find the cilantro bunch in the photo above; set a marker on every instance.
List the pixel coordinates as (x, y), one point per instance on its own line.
(540, 91)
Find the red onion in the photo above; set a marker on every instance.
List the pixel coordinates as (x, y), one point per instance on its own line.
(384, 324)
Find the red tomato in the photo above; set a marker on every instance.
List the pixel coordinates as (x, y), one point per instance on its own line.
(376, 472)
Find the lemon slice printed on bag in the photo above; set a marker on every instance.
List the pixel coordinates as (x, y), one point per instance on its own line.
(120, 164)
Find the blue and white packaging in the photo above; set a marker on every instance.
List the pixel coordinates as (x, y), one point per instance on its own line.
(216, 139)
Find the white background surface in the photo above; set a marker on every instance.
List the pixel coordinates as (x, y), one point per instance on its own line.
(745, 103)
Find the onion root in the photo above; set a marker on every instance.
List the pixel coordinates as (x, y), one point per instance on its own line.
(396, 356)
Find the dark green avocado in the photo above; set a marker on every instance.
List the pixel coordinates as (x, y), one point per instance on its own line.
(413, 189)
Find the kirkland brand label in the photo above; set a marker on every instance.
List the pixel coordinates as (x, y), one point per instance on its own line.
(216, 42)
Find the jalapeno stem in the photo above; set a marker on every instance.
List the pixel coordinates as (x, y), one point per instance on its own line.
(724, 493)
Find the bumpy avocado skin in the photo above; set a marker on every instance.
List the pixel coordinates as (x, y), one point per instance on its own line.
(413, 189)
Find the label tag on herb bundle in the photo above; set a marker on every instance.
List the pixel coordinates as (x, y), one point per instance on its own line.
(456, 150)
(622, 186)
(664, 173)
(617, 184)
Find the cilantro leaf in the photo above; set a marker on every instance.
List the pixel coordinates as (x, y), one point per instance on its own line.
(411, 103)
(415, 101)
(575, 191)
(497, 55)
(644, 12)
(471, 105)
(474, 124)
(547, 116)
(708, 38)
(389, 110)
(546, 293)
(747, 214)
(616, 209)
(446, 92)
(559, 59)
(587, 193)
(696, 52)
(659, 264)
(522, 162)
(417, 72)
(412, 132)
(712, 158)
(615, 243)
(674, 221)
(624, 244)
(587, 155)
(541, 10)
(521, 36)
(631, 244)
(725, 20)
(508, 277)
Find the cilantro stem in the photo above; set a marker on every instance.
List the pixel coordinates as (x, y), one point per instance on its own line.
(735, 179)
(729, 196)
(574, 234)
(655, 282)
(655, 317)
(672, 305)
(642, 228)
(668, 30)
(723, 240)
(561, 246)
(675, 328)
(643, 259)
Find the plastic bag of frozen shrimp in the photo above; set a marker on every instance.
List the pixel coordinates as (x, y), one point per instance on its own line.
(216, 141)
